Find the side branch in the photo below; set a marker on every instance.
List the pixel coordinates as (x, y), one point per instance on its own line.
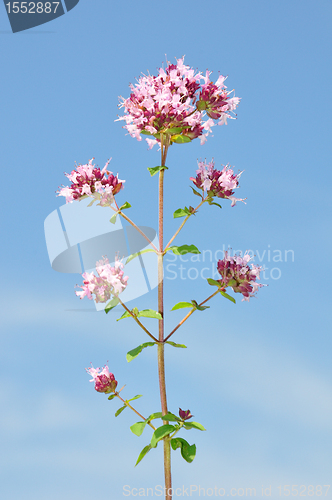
(137, 413)
(189, 314)
(183, 223)
(138, 321)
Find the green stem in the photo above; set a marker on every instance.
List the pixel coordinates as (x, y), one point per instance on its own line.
(131, 407)
(117, 210)
(189, 314)
(183, 223)
(137, 321)
(160, 345)
(139, 230)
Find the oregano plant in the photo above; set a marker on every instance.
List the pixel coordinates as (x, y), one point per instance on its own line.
(177, 106)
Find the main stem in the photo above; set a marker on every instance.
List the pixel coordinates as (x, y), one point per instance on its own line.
(161, 345)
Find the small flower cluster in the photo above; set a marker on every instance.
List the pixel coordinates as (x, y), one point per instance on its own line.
(103, 379)
(220, 183)
(236, 273)
(87, 180)
(109, 282)
(175, 103)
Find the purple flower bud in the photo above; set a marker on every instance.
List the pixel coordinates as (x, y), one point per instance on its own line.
(185, 415)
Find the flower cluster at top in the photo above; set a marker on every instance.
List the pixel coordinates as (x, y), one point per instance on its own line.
(236, 273)
(220, 183)
(103, 379)
(87, 180)
(175, 103)
(109, 282)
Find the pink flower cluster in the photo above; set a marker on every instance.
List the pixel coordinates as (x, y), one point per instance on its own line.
(176, 101)
(109, 282)
(87, 180)
(237, 274)
(103, 379)
(220, 183)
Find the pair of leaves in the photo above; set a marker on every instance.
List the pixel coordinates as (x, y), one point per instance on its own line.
(146, 313)
(135, 352)
(120, 410)
(224, 294)
(123, 207)
(183, 212)
(188, 451)
(192, 304)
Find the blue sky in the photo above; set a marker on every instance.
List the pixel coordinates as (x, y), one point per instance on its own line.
(257, 375)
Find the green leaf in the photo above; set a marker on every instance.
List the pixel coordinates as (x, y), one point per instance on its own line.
(149, 313)
(194, 425)
(135, 352)
(196, 192)
(113, 218)
(229, 297)
(183, 249)
(138, 428)
(111, 396)
(145, 132)
(125, 315)
(213, 282)
(154, 170)
(91, 202)
(181, 139)
(198, 307)
(153, 416)
(135, 397)
(146, 313)
(188, 451)
(131, 257)
(145, 450)
(181, 305)
(120, 410)
(112, 303)
(125, 205)
(214, 203)
(175, 345)
(180, 212)
(160, 433)
(174, 130)
(202, 308)
(171, 417)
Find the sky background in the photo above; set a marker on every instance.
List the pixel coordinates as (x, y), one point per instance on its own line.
(257, 375)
